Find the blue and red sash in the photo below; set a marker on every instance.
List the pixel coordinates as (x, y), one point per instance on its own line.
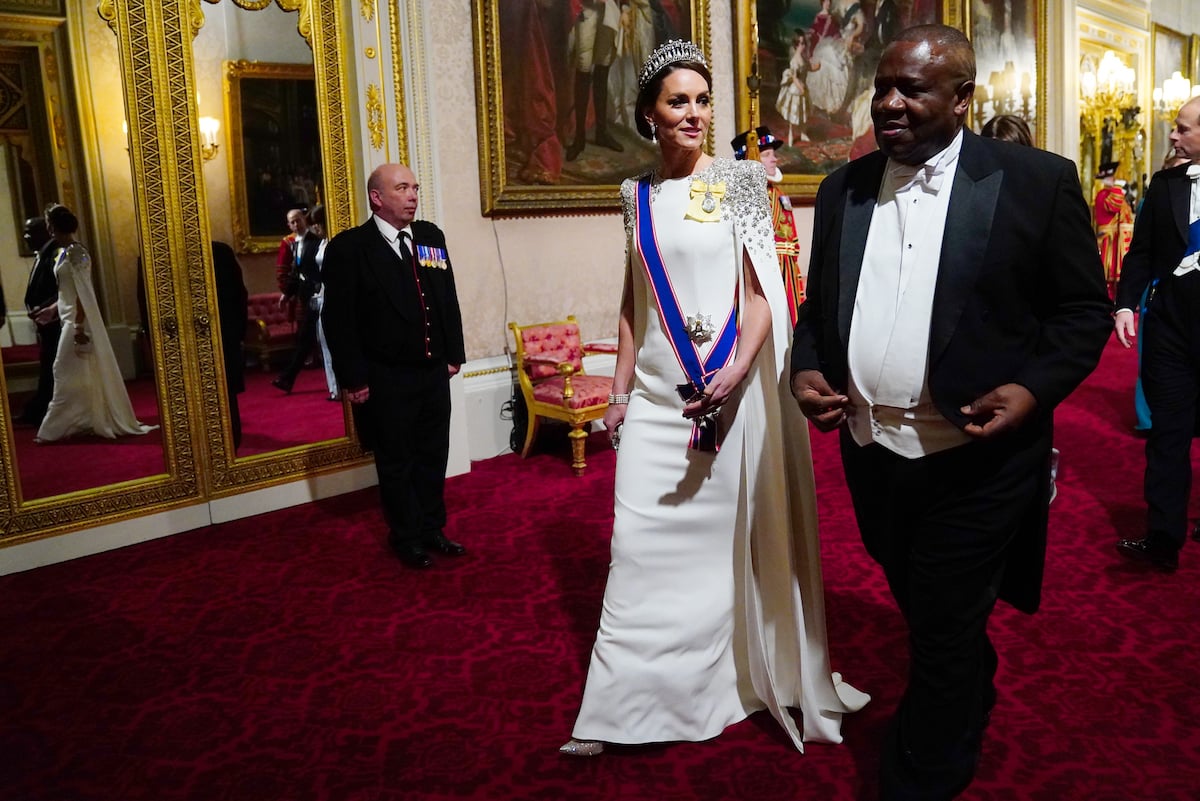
(699, 372)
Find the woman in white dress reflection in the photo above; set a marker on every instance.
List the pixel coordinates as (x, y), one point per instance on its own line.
(714, 603)
(89, 393)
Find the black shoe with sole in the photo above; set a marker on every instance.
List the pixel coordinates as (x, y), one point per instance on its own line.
(1152, 552)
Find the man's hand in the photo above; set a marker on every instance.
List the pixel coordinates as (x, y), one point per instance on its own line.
(818, 402)
(46, 314)
(453, 369)
(1004, 409)
(1125, 324)
(358, 396)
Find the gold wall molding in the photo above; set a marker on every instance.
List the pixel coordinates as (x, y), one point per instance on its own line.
(1135, 13)
(375, 116)
(413, 88)
(368, 10)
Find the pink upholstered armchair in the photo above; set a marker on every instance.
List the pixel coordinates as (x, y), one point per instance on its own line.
(554, 384)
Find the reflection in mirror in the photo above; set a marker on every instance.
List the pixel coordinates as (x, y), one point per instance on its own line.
(269, 165)
(56, 136)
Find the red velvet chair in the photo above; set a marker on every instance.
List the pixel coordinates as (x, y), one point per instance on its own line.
(272, 327)
(554, 384)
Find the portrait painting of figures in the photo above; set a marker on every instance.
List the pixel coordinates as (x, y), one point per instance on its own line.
(816, 64)
(1004, 33)
(557, 81)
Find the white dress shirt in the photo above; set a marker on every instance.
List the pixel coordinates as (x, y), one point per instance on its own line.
(889, 331)
(392, 235)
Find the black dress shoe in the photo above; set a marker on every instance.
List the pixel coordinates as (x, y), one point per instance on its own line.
(411, 554)
(1153, 552)
(282, 383)
(442, 544)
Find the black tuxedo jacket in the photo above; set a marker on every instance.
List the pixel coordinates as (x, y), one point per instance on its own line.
(42, 289)
(1159, 235)
(371, 314)
(1020, 294)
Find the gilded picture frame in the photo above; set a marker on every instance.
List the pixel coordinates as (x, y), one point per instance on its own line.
(812, 63)
(1009, 37)
(1169, 53)
(274, 148)
(529, 67)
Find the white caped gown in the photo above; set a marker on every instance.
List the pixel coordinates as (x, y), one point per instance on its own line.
(89, 393)
(714, 604)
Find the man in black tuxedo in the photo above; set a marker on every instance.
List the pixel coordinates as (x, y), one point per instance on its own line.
(955, 297)
(301, 283)
(1165, 254)
(232, 299)
(41, 300)
(394, 331)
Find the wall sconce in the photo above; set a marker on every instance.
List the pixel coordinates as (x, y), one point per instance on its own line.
(209, 143)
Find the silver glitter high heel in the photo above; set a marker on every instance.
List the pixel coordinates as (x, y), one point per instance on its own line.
(582, 748)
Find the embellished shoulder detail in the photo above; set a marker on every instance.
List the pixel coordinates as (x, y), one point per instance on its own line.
(747, 203)
(76, 254)
(629, 201)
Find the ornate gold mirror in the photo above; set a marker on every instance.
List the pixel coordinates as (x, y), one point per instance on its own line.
(63, 139)
(281, 73)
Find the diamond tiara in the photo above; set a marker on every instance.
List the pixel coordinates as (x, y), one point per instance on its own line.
(666, 53)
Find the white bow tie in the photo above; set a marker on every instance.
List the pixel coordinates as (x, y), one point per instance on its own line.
(929, 176)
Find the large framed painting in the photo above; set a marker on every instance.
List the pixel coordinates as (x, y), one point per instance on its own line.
(555, 85)
(274, 148)
(1169, 52)
(813, 63)
(1009, 37)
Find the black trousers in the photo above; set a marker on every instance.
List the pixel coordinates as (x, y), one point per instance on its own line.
(408, 414)
(1171, 382)
(940, 527)
(35, 407)
(306, 341)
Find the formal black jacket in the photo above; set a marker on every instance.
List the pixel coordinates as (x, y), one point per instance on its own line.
(1160, 235)
(42, 289)
(1020, 294)
(372, 313)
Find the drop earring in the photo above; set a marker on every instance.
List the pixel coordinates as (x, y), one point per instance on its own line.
(653, 133)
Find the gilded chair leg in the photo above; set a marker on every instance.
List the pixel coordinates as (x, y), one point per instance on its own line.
(531, 430)
(578, 437)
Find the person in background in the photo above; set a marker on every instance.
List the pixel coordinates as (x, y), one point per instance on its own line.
(300, 287)
(285, 258)
(1008, 128)
(394, 330)
(944, 393)
(1164, 259)
(316, 219)
(1141, 409)
(1113, 220)
(232, 300)
(41, 301)
(787, 243)
(714, 605)
(89, 393)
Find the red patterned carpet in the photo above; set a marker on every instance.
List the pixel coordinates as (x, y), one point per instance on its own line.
(288, 657)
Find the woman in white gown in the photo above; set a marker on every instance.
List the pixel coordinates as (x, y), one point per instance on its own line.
(713, 607)
(89, 394)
